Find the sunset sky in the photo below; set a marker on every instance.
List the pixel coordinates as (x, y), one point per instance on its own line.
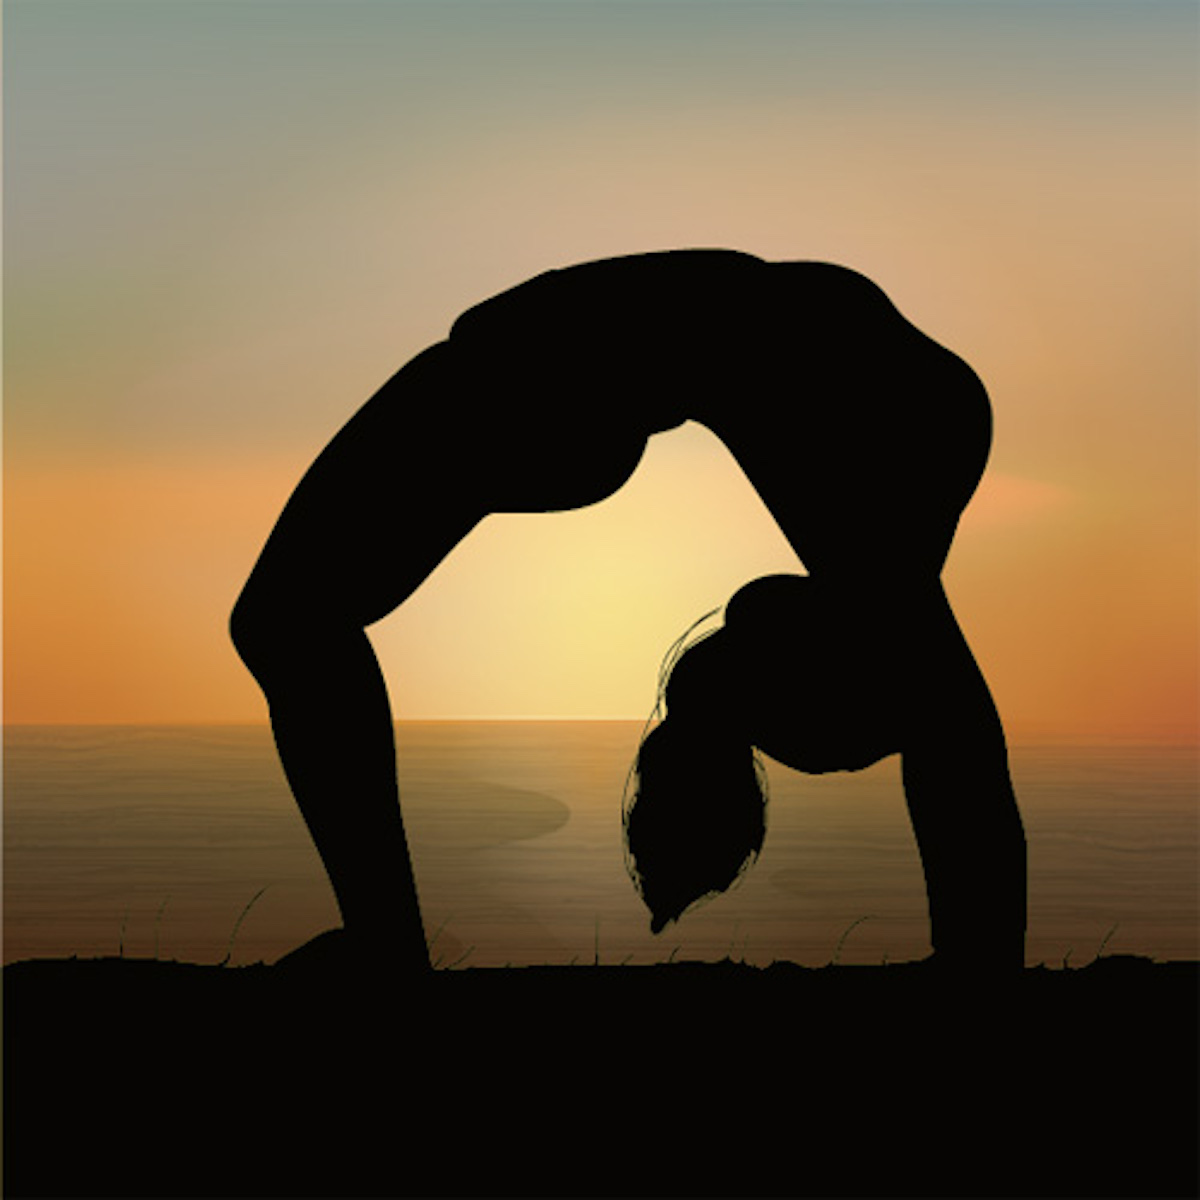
(227, 223)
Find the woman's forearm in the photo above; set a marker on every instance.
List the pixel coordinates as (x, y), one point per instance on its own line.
(972, 845)
(964, 809)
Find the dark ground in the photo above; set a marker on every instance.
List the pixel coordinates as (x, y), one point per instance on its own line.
(138, 1078)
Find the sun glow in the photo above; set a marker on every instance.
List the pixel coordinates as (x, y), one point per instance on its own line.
(201, 285)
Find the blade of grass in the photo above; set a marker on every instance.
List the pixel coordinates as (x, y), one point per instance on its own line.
(461, 958)
(158, 924)
(238, 924)
(837, 954)
(438, 934)
(1107, 936)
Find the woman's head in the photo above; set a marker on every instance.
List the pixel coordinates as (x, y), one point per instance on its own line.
(819, 672)
(796, 672)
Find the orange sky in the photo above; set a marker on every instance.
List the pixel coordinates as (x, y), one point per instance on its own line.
(208, 270)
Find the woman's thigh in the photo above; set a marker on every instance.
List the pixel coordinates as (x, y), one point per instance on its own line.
(865, 439)
(386, 500)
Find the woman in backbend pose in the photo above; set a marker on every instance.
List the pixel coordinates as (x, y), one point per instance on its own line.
(864, 438)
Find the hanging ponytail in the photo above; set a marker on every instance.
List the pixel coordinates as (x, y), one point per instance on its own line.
(694, 812)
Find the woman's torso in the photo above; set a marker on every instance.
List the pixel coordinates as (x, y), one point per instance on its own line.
(805, 370)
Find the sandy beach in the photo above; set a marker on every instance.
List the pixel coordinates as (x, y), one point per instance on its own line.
(132, 1077)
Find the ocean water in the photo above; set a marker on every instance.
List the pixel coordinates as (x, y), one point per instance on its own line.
(183, 842)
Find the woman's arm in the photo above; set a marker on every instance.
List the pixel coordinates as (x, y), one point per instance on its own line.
(964, 812)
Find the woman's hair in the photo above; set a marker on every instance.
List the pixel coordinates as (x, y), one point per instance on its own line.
(694, 813)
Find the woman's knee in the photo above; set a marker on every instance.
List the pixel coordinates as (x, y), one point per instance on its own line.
(284, 637)
(251, 628)
(268, 633)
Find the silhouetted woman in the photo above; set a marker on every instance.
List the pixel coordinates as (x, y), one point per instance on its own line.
(864, 438)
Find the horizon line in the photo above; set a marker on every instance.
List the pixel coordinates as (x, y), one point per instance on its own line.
(1017, 735)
